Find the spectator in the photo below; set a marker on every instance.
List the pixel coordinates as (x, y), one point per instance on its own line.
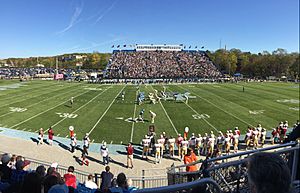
(89, 183)
(41, 136)
(189, 158)
(130, 150)
(32, 183)
(106, 177)
(41, 171)
(122, 185)
(3, 185)
(6, 171)
(52, 180)
(70, 178)
(268, 172)
(20, 172)
(130, 187)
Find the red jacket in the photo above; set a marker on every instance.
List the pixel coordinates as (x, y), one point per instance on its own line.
(70, 180)
(50, 134)
(130, 150)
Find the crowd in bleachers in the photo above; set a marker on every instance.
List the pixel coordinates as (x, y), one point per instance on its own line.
(161, 64)
(16, 176)
(16, 72)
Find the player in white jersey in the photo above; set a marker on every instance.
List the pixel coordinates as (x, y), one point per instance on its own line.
(71, 101)
(161, 141)
(157, 153)
(185, 145)
(236, 142)
(211, 145)
(198, 143)
(227, 144)
(204, 142)
(192, 142)
(171, 143)
(152, 115)
(263, 136)
(220, 141)
(146, 143)
(255, 138)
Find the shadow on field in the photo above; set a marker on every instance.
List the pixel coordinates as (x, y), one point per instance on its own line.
(34, 140)
(70, 106)
(94, 159)
(62, 145)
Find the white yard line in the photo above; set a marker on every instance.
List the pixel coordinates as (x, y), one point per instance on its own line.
(36, 103)
(105, 111)
(132, 127)
(220, 108)
(23, 99)
(207, 122)
(81, 106)
(167, 115)
(46, 110)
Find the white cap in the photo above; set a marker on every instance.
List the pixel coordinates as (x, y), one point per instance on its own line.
(54, 165)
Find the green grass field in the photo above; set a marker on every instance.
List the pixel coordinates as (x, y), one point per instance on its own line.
(99, 110)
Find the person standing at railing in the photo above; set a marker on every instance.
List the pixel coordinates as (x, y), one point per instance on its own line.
(106, 181)
(70, 178)
(189, 158)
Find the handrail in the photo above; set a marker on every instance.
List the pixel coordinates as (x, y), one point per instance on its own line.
(236, 155)
(184, 186)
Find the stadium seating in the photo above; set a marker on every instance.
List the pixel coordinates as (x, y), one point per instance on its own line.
(161, 64)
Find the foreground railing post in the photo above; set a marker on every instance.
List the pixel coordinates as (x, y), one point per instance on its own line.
(295, 163)
(143, 178)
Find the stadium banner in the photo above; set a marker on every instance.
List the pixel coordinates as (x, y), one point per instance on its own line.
(58, 76)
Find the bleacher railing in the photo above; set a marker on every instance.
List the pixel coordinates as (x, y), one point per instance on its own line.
(199, 186)
(230, 171)
(147, 179)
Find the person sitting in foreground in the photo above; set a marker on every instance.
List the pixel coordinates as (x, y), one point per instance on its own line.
(268, 172)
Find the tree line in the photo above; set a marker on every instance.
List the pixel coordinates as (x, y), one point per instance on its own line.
(262, 65)
(279, 63)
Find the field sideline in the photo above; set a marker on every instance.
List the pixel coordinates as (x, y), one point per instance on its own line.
(99, 110)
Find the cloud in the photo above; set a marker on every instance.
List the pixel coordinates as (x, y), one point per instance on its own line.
(106, 11)
(94, 45)
(73, 20)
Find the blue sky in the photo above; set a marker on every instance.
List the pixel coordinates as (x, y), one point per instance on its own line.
(51, 27)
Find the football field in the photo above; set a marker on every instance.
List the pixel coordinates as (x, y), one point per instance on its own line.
(99, 109)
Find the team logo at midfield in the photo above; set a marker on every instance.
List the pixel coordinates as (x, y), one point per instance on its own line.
(17, 109)
(201, 116)
(256, 112)
(67, 115)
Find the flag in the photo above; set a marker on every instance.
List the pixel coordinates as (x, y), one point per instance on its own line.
(113, 46)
